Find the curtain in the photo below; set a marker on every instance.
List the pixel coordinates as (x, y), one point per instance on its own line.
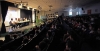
(4, 9)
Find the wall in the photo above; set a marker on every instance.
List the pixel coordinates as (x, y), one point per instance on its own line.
(74, 12)
(53, 12)
(95, 8)
(42, 14)
(26, 14)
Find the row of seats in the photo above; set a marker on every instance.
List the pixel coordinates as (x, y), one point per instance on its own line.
(76, 31)
(20, 41)
(59, 31)
(40, 40)
(85, 30)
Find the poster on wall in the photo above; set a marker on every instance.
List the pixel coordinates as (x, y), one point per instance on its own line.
(88, 12)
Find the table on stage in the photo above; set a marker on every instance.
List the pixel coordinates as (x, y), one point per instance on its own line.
(23, 23)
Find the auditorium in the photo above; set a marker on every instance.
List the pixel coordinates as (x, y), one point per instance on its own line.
(49, 25)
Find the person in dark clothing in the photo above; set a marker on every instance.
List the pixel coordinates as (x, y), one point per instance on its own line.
(15, 36)
(65, 36)
(71, 43)
(67, 48)
(42, 45)
(25, 40)
(37, 48)
(1, 42)
(8, 38)
(46, 40)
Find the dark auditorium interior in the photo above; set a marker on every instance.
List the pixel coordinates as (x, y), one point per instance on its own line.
(49, 25)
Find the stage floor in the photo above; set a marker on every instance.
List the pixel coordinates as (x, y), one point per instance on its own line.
(16, 30)
(8, 29)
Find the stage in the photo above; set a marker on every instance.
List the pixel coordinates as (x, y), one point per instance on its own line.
(16, 30)
(8, 29)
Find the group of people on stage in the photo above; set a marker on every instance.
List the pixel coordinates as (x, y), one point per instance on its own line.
(17, 22)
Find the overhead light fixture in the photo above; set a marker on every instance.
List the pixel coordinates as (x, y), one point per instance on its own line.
(22, 5)
(39, 7)
(50, 7)
(28, 8)
(56, 15)
(19, 6)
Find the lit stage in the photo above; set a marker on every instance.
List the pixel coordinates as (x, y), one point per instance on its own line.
(8, 29)
(14, 13)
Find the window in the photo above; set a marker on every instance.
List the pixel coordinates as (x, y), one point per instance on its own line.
(70, 13)
(77, 13)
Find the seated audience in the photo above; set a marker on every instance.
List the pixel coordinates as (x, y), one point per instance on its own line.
(7, 38)
(37, 48)
(42, 45)
(25, 40)
(15, 36)
(67, 48)
(1, 42)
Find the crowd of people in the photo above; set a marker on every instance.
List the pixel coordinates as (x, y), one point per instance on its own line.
(24, 38)
(65, 34)
(86, 29)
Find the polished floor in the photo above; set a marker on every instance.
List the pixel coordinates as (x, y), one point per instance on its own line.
(8, 29)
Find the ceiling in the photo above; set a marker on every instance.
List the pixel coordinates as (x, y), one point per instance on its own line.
(57, 5)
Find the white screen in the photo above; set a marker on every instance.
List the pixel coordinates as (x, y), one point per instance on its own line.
(12, 13)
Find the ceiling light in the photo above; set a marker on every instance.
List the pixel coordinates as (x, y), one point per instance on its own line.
(19, 6)
(50, 7)
(28, 8)
(22, 5)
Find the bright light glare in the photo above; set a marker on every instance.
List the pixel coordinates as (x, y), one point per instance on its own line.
(76, 13)
(12, 13)
(70, 12)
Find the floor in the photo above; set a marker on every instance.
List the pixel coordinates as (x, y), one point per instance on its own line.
(16, 30)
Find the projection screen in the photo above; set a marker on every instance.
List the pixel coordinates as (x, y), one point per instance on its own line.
(12, 13)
